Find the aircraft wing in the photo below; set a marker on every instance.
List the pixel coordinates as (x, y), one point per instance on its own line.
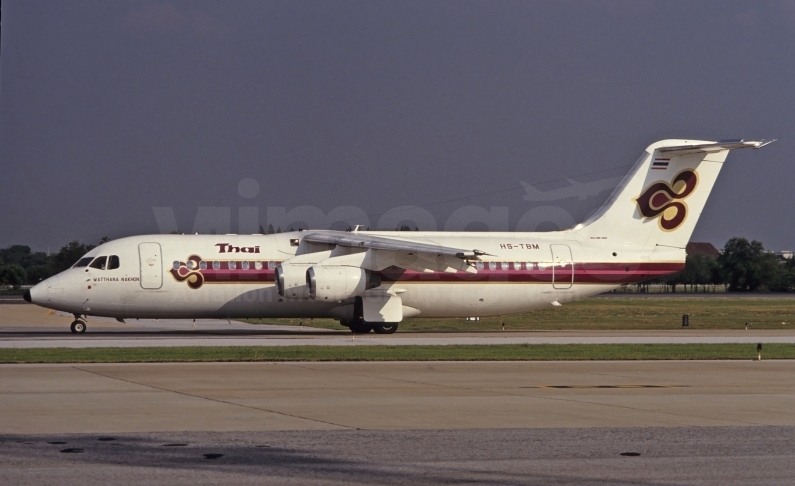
(712, 147)
(359, 240)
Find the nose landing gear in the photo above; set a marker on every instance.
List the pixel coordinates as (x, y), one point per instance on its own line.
(78, 326)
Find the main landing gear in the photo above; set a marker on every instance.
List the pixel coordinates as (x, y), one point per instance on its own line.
(385, 327)
(363, 327)
(359, 326)
(79, 325)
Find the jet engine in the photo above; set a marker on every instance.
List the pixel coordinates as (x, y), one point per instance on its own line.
(336, 283)
(291, 281)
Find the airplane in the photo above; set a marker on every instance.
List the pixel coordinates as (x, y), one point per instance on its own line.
(575, 189)
(372, 280)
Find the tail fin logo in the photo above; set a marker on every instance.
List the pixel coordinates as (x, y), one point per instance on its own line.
(666, 201)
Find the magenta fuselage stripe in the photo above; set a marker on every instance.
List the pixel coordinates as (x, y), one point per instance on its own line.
(263, 275)
(609, 273)
(594, 272)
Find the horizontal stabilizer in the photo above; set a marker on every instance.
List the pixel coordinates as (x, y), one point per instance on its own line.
(706, 148)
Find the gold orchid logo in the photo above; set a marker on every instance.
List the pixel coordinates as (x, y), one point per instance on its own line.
(189, 272)
(666, 201)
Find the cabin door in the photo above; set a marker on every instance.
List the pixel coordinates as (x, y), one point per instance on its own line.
(151, 265)
(562, 267)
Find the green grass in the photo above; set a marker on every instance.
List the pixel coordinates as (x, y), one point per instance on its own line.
(613, 314)
(510, 352)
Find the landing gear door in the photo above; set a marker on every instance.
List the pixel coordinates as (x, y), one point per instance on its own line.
(151, 259)
(562, 267)
(382, 306)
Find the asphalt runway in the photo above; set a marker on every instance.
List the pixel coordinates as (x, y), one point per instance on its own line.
(705, 422)
(29, 326)
(308, 338)
(713, 456)
(12, 299)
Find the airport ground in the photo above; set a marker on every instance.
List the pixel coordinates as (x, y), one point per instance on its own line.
(605, 312)
(413, 422)
(28, 327)
(621, 312)
(695, 422)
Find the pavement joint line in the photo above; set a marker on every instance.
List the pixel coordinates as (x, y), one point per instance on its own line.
(637, 409)
(522, 395)
(600, 387)
(216, 400)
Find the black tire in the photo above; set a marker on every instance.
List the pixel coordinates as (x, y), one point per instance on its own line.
(78, 327)
(360, 327)
(385, 327)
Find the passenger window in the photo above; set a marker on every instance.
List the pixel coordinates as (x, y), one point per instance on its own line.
(244, 265)
(203, 265)
(232, 265)
(492, 265)
(258, 265)
(113, 262)
(99, 262)
(504, 265)
(216, 265)
(83, 262)
(175, 265)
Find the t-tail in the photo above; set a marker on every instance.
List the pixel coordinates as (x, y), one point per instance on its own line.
(658, 203)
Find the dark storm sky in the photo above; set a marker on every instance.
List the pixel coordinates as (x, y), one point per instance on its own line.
(108, 109)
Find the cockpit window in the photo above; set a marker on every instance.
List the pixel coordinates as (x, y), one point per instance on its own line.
(113, 262)
(99, 262)
(83, 262)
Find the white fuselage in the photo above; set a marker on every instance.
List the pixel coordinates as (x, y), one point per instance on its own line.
(232, 276)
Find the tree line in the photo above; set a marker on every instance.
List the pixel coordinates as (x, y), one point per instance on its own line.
(19, 265)
(742, 266)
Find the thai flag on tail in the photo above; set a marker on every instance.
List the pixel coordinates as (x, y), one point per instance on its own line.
(660, 164)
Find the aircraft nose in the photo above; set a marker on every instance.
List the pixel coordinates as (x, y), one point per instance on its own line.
(37, 294)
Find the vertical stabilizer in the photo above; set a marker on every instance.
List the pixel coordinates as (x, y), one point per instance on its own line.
(662, 197)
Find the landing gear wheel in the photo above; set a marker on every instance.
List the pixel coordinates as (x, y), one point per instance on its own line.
(385, 327)
(78, 327)
(360, 327)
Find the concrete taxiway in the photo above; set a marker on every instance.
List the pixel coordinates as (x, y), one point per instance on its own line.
(729, 422)
(72, 398)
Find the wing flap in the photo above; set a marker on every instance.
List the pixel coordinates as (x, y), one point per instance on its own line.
(358, 240)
